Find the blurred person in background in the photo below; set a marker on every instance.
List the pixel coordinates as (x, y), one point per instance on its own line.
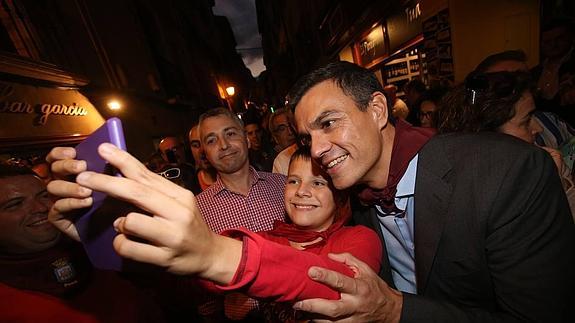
(282, 127)
(398, 108)
(413, 91)
(261, 155)
(499, 102)
(426, 107)
(176, 168)
(556, 135)
(205, 173)
(155, 162)
(555, 76)
(556, 132)
(172, 150)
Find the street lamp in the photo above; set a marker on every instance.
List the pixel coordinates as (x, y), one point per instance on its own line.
(114, 105)
(230, 91)
(226, 94)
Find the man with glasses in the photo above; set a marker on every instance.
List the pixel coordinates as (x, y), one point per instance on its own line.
(282, 127)
(176, 167)
(426, 106)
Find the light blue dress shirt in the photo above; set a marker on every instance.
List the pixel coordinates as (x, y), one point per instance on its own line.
(397, 232)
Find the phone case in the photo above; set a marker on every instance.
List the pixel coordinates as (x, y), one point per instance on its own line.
(97, 232)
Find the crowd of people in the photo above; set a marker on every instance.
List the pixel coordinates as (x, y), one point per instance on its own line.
(349, 204)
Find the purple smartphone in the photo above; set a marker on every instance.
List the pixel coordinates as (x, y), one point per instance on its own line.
(97, 232)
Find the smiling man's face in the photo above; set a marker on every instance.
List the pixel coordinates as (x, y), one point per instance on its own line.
(346, 141)
(24, 206)
(225, 144)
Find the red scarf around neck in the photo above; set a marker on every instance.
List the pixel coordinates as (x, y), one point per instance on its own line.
(407, 142)
(295, 234)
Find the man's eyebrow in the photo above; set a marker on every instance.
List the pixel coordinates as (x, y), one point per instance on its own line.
(317, 122)
(207, 135)
(232, 128)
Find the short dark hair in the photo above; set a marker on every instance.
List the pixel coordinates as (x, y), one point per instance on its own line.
(516, 55)
(221, 111)
(355, 81)
(7, 170)
(303, 152)
(484, 102)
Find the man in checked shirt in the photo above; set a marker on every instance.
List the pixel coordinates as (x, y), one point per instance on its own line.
(240, 197)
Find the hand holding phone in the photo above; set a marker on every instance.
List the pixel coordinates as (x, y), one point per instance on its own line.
(97, 232)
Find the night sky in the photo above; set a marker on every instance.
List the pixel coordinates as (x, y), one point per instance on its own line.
(242, 17)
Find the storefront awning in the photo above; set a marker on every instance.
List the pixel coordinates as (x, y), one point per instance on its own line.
(32, 115)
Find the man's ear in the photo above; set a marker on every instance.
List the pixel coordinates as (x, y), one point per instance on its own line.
(247, 139)
(378, 108)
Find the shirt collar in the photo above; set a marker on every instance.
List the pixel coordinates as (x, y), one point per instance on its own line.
(406, 185)
(255, 176)
(405, 189)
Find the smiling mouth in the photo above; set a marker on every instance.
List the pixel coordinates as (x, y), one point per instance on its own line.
(227, 155)
(304, 207)
(38, 222)
(337, 161)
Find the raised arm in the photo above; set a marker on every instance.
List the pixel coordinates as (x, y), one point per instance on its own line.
(177, 238)
(266, 265)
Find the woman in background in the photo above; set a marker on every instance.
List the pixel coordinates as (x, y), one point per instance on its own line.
(500, 102)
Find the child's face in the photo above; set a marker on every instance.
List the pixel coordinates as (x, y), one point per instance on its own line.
(308, 197)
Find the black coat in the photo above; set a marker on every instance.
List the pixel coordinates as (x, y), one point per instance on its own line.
(494, 238)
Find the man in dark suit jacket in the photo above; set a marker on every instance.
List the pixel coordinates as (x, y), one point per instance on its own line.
(491, 236)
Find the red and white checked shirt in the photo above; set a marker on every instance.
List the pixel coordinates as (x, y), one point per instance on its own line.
(223, 209)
